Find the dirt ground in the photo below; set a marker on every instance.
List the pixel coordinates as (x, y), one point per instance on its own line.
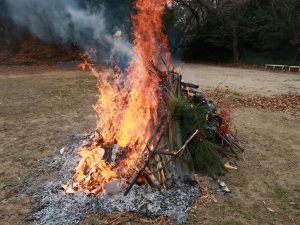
(41, 106)
(244, 81)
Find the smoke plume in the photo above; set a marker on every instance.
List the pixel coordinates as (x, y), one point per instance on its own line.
(67, 21)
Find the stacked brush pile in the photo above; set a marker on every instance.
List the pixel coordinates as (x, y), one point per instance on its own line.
(191, 135)
(195, 136)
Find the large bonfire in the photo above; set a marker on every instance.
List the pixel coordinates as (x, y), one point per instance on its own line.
(127, 115)
(144, 115)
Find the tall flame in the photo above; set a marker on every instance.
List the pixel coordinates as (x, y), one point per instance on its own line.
(127, 115)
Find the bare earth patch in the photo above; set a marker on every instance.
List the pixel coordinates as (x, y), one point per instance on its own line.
(243, 81)
(41, 106)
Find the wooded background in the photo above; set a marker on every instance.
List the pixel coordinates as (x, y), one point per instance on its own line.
(239, 31)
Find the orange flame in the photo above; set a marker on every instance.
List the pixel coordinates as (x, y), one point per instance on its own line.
(126, 116)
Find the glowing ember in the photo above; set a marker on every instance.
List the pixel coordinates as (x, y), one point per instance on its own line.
(127, 114)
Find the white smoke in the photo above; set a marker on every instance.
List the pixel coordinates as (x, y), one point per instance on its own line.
(66, 21)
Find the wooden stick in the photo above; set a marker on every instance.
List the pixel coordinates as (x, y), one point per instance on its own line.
(230, 146)
(191, 85)
(172, 74)
(180, 150)
(152, 153)
(159, 73)
(153, 73)
(238, 146)
(186, 143)
(167, 152)
(191, 90)
(149, 180)
(219, 84)
(231, 134)
(170, 154)
(168, 71)
(161, 174)
(137, 175)
(164, 62)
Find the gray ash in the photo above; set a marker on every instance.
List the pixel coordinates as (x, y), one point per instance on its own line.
(55, 207)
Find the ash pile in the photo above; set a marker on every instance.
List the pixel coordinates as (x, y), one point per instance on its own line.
(56, 207)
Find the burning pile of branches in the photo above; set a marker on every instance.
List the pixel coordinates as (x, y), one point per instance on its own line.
(153, 128)
(189, 135)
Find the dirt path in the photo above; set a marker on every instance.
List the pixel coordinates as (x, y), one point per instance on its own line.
(244, 81)
(39, 110)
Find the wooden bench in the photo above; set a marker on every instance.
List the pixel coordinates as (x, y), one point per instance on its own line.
(282, 67)
(294, 68)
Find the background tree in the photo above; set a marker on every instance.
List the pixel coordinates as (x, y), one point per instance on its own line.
(241, 29)
(247, 31)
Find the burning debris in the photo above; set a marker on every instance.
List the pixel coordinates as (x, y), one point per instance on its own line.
(104, 167)
(153, 132)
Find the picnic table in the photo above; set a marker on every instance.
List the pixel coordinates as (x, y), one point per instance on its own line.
(283, 67)
(294, 68)
(276, 66)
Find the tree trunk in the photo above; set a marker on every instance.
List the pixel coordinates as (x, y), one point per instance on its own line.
(235, 49)
(296, 55)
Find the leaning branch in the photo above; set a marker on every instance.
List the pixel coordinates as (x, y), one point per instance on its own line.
(177, 153)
